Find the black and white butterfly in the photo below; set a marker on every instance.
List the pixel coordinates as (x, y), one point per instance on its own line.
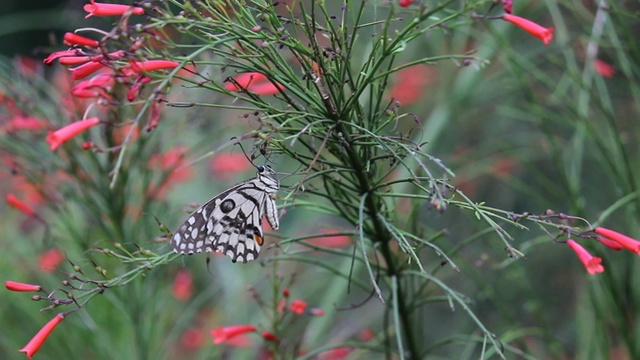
(231, 223)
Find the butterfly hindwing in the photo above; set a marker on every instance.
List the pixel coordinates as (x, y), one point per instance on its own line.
(231, 222)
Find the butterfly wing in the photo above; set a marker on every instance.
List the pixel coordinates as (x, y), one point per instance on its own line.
(239, 232)
(231, 222)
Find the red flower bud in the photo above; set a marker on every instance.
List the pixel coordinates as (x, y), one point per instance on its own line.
(75, 39)
(102, 9)
(21, 287)
(153, 65)
(269, 336)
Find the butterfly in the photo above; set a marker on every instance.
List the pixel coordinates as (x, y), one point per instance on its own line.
(231, 222)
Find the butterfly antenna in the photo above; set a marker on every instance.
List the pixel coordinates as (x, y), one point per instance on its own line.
(250, 159)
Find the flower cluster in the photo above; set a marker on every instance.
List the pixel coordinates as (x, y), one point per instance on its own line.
(96, 70)
(611, 239)
(286, 313)
(38, 340)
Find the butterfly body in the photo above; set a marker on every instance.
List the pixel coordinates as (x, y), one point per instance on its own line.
(231, 222)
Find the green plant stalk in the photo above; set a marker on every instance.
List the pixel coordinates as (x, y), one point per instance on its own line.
(382, 236)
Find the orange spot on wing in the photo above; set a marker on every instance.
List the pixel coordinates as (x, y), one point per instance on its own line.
(258, 239)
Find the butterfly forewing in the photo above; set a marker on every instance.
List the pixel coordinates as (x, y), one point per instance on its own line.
(231, 222)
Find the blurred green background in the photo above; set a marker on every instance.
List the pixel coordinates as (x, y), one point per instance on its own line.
(538, 128)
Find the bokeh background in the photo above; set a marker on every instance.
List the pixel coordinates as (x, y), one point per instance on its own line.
(536, 128)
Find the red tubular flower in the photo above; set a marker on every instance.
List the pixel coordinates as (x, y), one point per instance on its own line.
(410, 84)
(26, 123)
(153, 65)
(97, 86)
(538, 31)
(102, 9)
(154, 116)
(265, 88)
(405, 3)
(331, 240)
(137, 86)
(298, 306)
(60, 136)
(269, 336)
(75, 39)
(507, 6)
(590, 262)
(244, 80)
(192, 338)
(182, 285)
(610, 244)
(172, 161)
(255, 82)
(226, 165)
(50, 260)
(21, 287)
(82, 71)
(628, 243)
(58, 54)
(222, 334)
(36, 342)
(366, 335)
(338, 353)
(87, 145)
(73, 60)
(16, 203)
(605, 70)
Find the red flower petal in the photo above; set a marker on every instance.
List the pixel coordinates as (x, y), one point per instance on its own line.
(298, 306)
(21, 287)
(36, 342)
(58, 54)
(590, 262)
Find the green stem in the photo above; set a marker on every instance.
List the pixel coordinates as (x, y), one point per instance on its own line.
(380, 235)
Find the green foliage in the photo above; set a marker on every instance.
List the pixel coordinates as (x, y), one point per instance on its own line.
(419, 189)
